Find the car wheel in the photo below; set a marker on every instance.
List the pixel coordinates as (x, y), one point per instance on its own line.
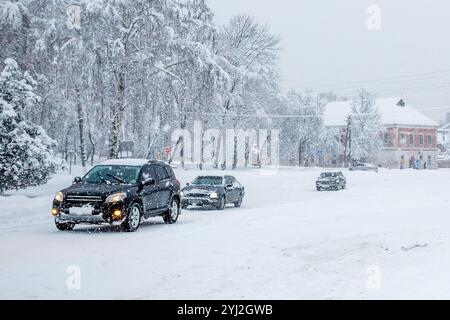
(222, 203)
(318, 189)
(238, 203)
(133, 220)
(172, 214)
(64, 226)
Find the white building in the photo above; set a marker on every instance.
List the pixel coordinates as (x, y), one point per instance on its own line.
(409, 136)
(443, 135)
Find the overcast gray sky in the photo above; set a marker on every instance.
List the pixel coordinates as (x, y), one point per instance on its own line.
(327, 45)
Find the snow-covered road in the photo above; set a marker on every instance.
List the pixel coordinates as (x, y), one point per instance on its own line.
(387, 236)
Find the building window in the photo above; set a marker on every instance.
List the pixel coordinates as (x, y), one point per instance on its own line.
(411, 139)
(386, 138)
(421, 141)
(430, 140)
(402, 139)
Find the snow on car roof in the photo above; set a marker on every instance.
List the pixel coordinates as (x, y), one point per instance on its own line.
(126, 162)
(336, 113)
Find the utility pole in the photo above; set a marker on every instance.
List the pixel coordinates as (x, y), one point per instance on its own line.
(350, 155)
(348, 142)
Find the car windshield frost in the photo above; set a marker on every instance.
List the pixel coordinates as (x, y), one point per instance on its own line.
(112, 175)
(208, 181)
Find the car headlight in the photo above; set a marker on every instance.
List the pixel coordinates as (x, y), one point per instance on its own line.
(59, 197)
(214, 195)
(117, 197)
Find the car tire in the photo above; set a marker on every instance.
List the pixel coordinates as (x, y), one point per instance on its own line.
(64, 226)
(222, 203)
(319, 189)
(172, 214)
(238, 203)
(133, 219)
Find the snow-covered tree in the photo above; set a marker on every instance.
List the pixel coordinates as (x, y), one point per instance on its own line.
(14, 30)
(137, 70)
(26, 156)
(250, 54)
(332, 144)
(305, 129)
(365, 128)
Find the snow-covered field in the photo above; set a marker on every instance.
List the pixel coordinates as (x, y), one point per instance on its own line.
(387, 236)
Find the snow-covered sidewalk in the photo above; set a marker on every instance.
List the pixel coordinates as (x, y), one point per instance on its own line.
(387, 236)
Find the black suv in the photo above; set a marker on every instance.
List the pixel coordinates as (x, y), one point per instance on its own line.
(119, 192)
(331, 181)
(213, 191)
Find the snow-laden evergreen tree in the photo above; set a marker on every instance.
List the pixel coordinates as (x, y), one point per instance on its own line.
(365, 129)
(26, 156)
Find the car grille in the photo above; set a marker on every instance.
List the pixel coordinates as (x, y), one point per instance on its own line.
(197, 195)
(83, 199)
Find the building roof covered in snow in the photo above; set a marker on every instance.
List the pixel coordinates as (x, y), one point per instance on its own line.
(445, 128)
(393, 111)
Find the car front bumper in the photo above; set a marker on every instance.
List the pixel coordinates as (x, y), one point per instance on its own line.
(103, 214)
(199, 202)
(327, 186)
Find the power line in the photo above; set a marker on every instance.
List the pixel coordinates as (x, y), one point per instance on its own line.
(278, 116)
(435, 86)
(352, 84)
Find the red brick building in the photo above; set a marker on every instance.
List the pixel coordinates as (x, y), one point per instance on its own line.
(409, 137)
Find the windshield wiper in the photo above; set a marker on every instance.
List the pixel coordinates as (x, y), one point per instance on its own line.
(101, 178)
(117, 178)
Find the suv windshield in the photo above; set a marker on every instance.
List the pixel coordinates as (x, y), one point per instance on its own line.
(208, 181)
(329, 175)
(112, 175)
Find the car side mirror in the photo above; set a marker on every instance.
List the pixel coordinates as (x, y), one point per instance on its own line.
(188, 184)
(229, 187)
(148, 182)
(77, 180)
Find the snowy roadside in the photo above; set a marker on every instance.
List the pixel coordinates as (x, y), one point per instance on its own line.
(32, 205)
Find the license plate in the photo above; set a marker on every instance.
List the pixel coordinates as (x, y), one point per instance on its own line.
(83, 211)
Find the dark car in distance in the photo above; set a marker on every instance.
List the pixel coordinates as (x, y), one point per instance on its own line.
(331, 181)
(213, 191)
(363, 167)
(119, 192)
